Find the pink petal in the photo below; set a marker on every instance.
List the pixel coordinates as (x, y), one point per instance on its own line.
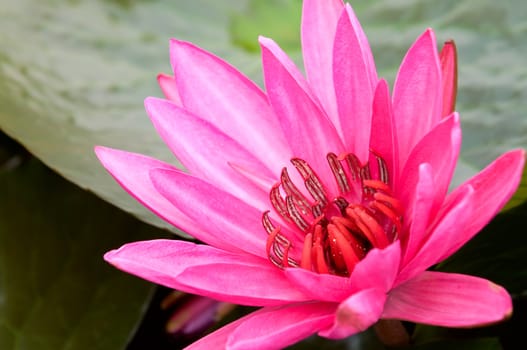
(417, 99)
(222, 214)
(278, 327)
(448, 231)
(206, 151)
(167, 83)
(416, 225)
(354, 85)
(201, 269)
(357, 313)
(493, 187)
(319, 22)
(378, 269)
(448, 58)
(439, 148)
(309, 132)
(383, 139)
(449, 300)
(131, 171)
(217, 92)
(323, 287)
(217, 339)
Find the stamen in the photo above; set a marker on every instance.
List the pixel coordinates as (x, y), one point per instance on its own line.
(394, 203)
(350, 259)
(295, 215)
(338, 172)
(335, 233)
(292, 191)
(311, 180)
(363, 228)
(377, 185)
(373, 227)
(336, 253)
(305, 262)
(322, 267)
(278, 202)
(353, 165)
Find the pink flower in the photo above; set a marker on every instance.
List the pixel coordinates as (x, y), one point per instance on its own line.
(323, 200)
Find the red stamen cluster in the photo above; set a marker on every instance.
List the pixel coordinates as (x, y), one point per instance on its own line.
(332, 235)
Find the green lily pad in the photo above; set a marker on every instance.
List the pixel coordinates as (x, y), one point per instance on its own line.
(56, 291)
(73, 74)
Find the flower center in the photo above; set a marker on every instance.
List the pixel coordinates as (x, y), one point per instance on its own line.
(332, 233)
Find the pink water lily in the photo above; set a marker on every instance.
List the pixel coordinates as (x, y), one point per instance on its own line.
(323, 200)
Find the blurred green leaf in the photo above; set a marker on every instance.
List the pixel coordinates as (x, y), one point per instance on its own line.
(73, 74)
(56, 291)
(277, 19)
(498, 252)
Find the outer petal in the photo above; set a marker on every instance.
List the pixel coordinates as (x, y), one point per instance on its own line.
(449, 300)
(439, 148)
(218, 93)
(417, 99)
(383, 139)
(131, 171)
(357, 313)
(228, 217)
(493, 187)
(167, 83)
(276, 328)
(206, 151)
(448, 231)
(207, 271)
(309, 132)
(354, 85)
(319, 21)
(416, 227)
(448, 57)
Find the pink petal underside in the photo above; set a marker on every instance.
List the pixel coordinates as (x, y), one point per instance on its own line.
(448, 230)
(416, 227)
(383, 139)
(131, 171)
(220, 213)
(218, 93)
(439, 148)
(200, 269)
(493, 187)
(278, 327)
(448, 58)
(167, 83)
(449, 300)
(319, 22)
(357, 313)
(310, 133)
(354, 86)
(417, 94)
(206, 151)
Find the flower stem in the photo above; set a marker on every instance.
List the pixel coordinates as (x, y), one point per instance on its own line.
(392, 333)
